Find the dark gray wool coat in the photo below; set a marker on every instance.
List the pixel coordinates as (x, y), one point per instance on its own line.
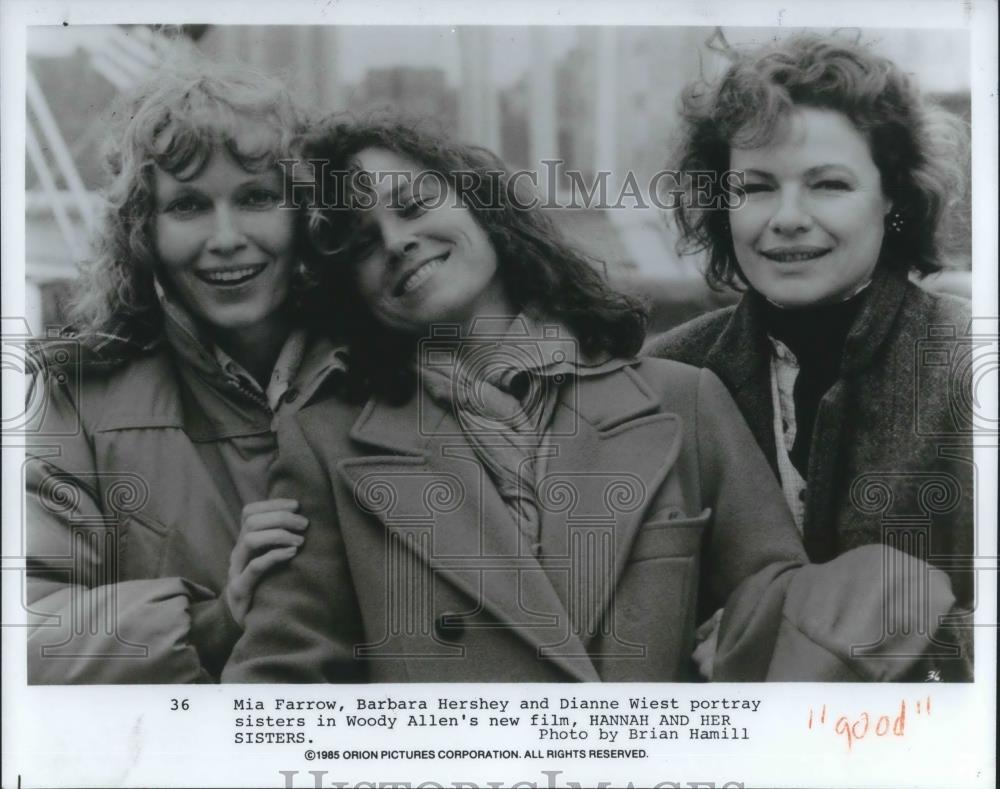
(891, 455)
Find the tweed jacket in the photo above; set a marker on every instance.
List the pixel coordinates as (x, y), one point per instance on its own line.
(891, 455)
(656, 507)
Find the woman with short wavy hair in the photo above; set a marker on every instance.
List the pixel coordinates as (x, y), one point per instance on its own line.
(848, 184)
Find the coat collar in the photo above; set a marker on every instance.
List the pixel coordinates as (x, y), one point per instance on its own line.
(741, 354)
(148, 392)
(607, 421)
(742, 348)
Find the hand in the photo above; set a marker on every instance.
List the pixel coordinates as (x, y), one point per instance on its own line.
(270, 533)
(707, 640)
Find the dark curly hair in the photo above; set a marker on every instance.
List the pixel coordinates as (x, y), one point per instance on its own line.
(919, 149)
(540, 271)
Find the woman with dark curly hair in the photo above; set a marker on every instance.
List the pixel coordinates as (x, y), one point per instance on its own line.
(513, 495)
(540, 270)
(149, 520)
(848, 181)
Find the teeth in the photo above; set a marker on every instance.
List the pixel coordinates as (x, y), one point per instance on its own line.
(794, 257)
(231, 275)
(421, 274)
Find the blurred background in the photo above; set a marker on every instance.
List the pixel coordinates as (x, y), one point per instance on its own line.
(597, 98)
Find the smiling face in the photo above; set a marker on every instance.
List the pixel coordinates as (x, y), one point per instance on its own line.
(421, 257)
(224, 246)
(812, 226)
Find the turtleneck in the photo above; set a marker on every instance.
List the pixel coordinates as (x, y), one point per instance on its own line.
(816, 336)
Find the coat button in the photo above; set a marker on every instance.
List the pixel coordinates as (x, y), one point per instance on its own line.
(449, 630)
(291, 395)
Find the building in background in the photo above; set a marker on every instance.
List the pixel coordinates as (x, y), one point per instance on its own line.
(409, 91)
(598, 99)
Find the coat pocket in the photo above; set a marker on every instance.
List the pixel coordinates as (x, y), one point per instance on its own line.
(655, 601)
(670, 534)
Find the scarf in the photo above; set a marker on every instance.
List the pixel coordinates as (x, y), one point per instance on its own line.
(503, 393)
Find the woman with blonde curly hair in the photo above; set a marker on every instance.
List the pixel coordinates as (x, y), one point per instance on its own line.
(848, 184)
(149, 522)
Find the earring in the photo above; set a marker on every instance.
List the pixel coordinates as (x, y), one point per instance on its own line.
(896, 222)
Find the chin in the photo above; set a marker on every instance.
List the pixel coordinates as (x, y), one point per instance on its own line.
(241, 321)
(794, 297)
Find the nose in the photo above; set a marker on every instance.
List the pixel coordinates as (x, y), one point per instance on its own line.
(228, 236)
(398, 236)
(790, 215)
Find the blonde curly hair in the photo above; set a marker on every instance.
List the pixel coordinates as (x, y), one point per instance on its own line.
(188, 110)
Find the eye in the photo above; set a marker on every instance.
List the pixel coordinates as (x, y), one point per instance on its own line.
(186, 206)
(756, 188)
(260, 199)
(413, 207)
(833, 184)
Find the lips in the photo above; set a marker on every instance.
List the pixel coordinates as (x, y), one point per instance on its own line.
(231, 276)
(419, 274)
(797, 254)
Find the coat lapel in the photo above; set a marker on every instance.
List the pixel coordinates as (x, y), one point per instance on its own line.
(613, 448)
(867, 336)
(420, 475)
(741, 358)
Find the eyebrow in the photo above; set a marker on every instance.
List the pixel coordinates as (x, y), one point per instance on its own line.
(394, 188)
(812, 171)
(180, 187)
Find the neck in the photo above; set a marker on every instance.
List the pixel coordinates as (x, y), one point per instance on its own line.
(815, 332)
(493, 307)
(256, 348)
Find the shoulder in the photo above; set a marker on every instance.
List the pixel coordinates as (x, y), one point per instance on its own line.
(90, 375)
(946, 307)
(93, 355)
(326, 419)
(921, 310)
(667, 374)
(680, 387)
(690, 342)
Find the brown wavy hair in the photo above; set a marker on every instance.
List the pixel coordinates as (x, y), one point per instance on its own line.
(919, 149)
(185, 112)
(540, 271)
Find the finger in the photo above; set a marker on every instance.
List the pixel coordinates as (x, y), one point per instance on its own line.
(258, 541)
(270, 505)
(705, 628)
(238, 559)
(282, 519)
(257, 567)
(704, 658)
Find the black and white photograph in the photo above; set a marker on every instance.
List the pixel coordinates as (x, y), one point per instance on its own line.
(382, 371)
